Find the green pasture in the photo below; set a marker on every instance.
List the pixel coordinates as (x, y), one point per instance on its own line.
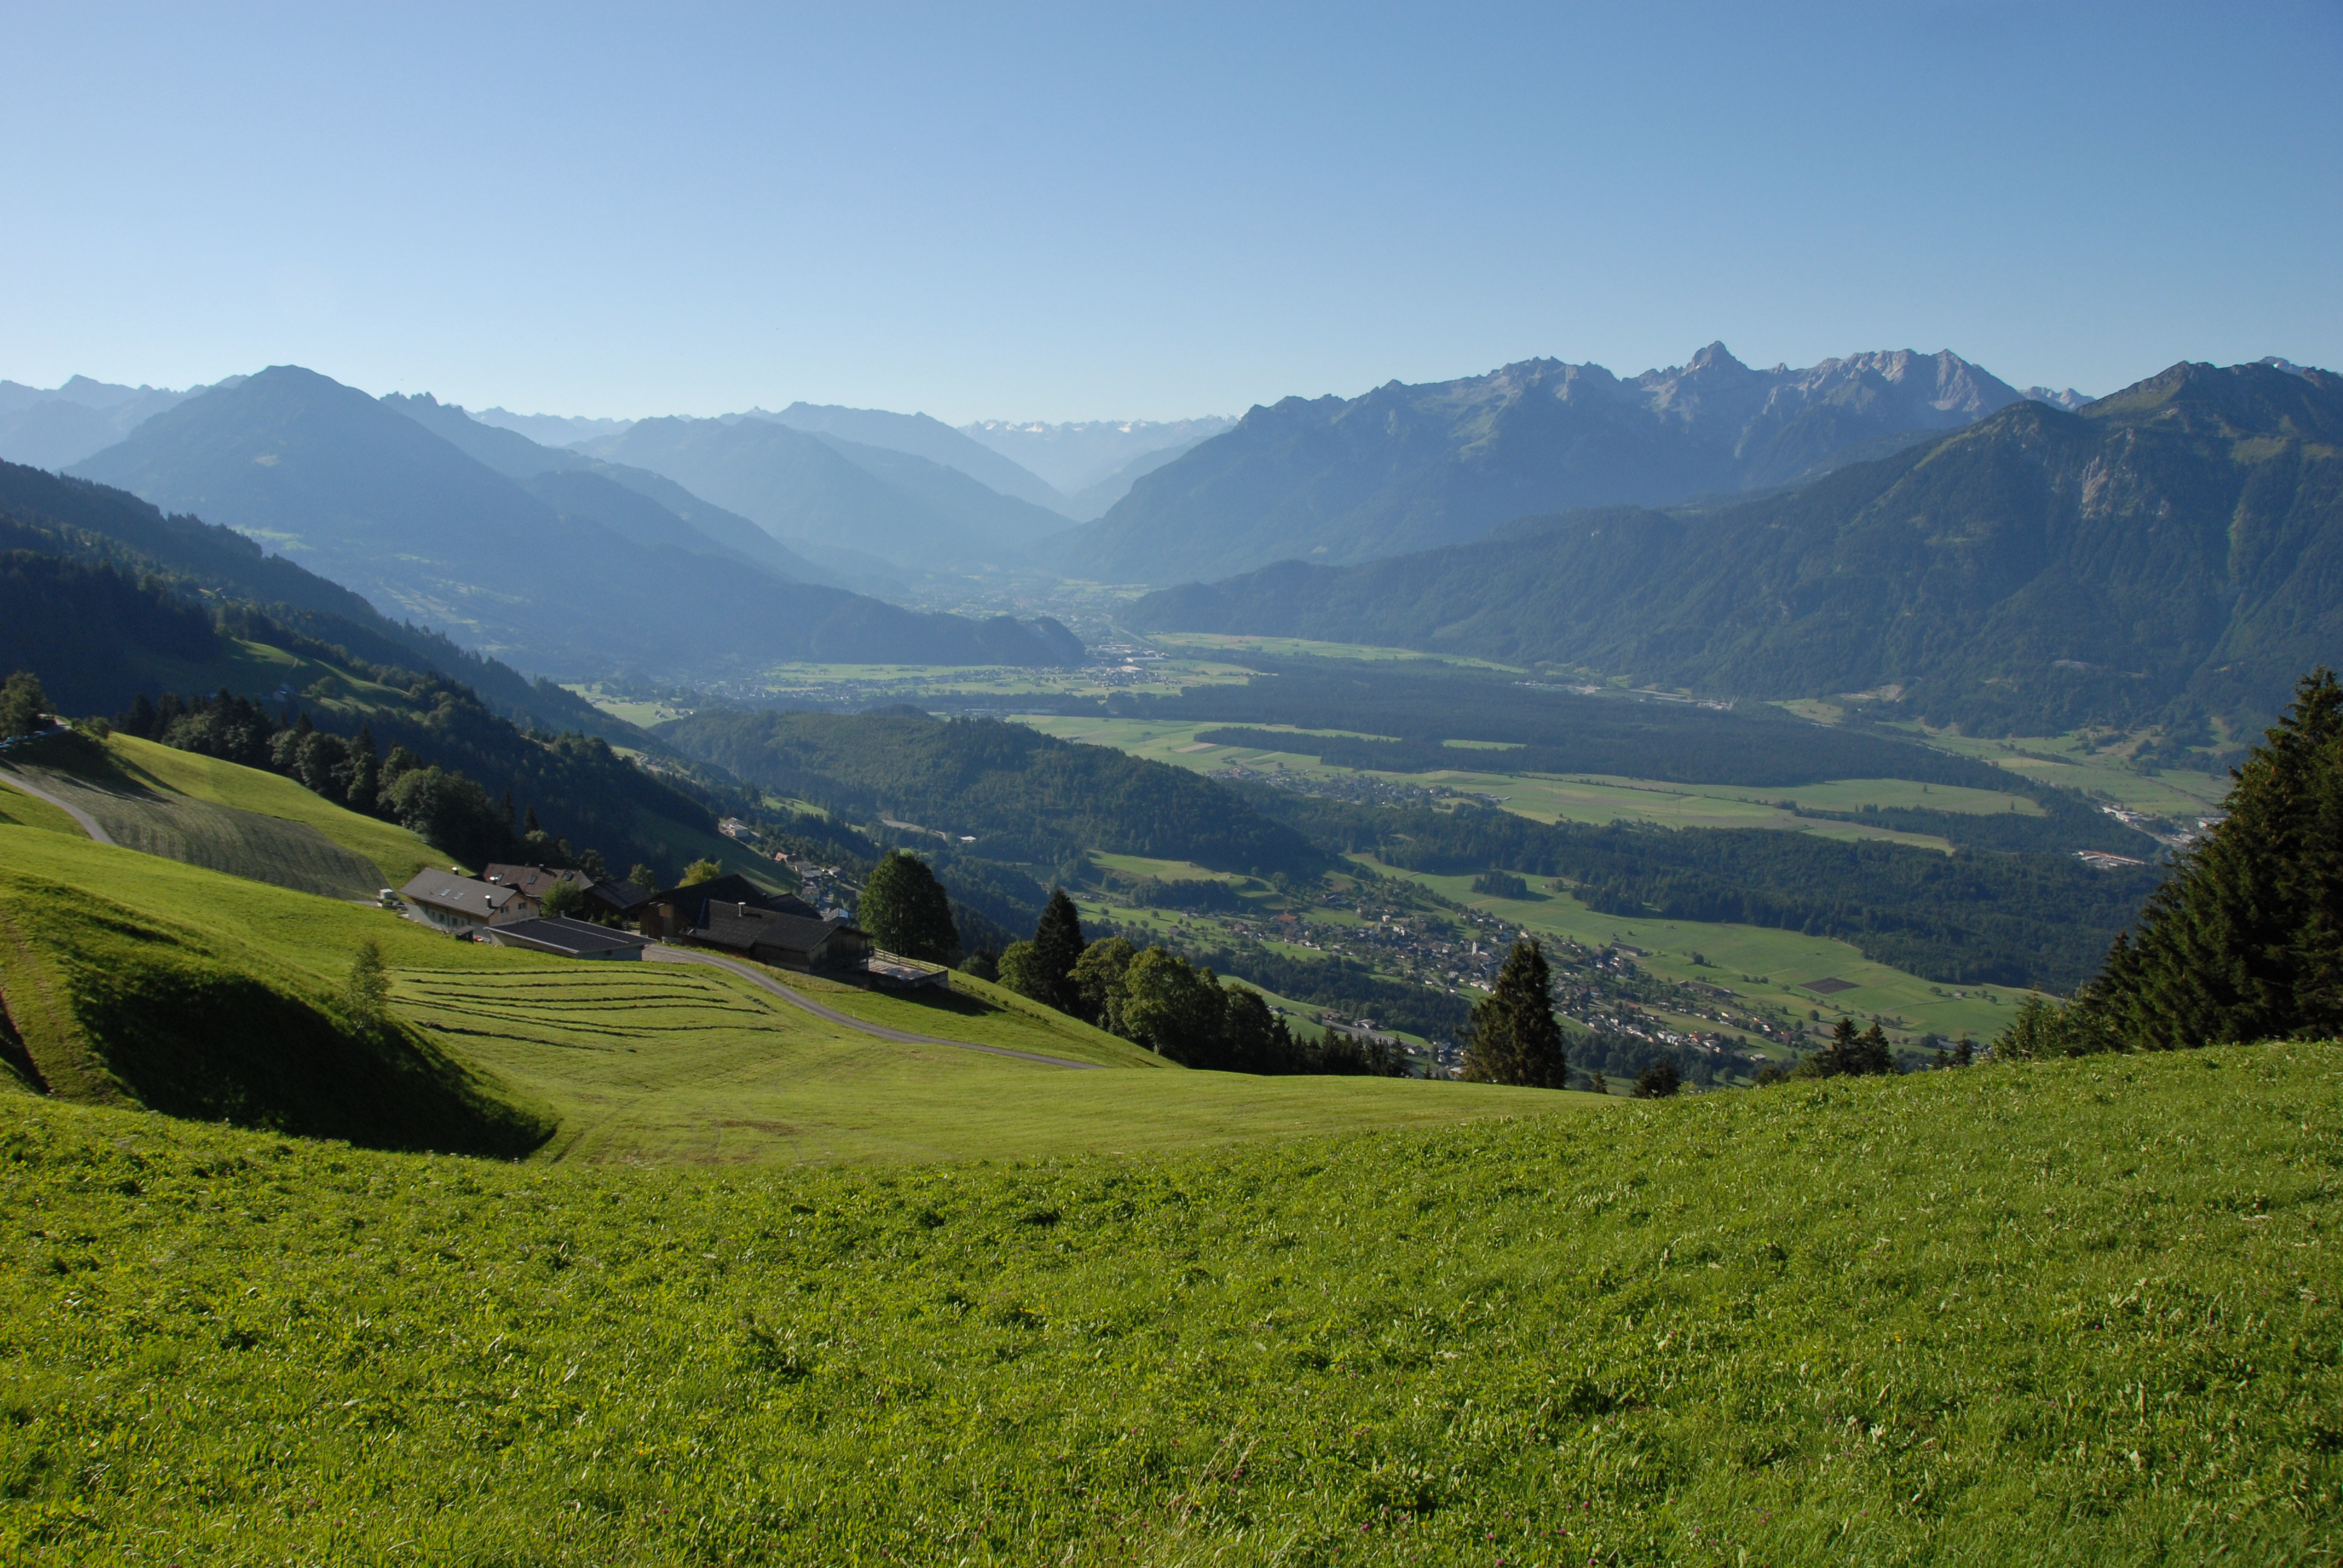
(162, 822)
(2078, 1312)
(1549, 797)
(2097, 767)
(1205, 643)
(397, 853)
(637, 1061)
(1760, 964)
(20, 810)
(979, 1011)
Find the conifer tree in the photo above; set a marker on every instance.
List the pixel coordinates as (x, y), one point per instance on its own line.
(368, 986)
(2244, 940)
(1058, 947)
(1658, 1082)
(1870, 1053)
(1513, 1037)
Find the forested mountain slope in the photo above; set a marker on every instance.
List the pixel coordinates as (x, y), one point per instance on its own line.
(88, 525)
(1405, 468)
(2174, 548)
(1023, 796)
(636, 504)
(366, 496)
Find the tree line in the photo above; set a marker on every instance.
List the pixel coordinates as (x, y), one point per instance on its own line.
(1181, 1011)
(2244, 940)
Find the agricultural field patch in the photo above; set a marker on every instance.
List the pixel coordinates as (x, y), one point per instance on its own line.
(162, 822)
(659, 1063)
(1545, 797)
(396, 853)
(22, 810)
(1765, 967)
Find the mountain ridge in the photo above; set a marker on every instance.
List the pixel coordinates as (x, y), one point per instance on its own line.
(366, 496)
(2172, 550)
(1404, 467)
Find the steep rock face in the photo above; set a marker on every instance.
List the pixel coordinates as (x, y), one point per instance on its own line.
(1403, 468)
(2180, 542)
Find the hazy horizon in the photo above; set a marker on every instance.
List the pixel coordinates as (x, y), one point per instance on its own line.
(1086, 215)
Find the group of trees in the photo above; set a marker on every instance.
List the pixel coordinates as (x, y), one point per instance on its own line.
(442, 806)
(24, 706)
(1181, 1011)
(2244, 941)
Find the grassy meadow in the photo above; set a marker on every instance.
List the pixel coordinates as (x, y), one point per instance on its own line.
(2074, 1313)
(104, 953)
(1551, 797)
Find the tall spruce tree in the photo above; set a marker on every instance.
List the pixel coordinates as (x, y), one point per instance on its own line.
(2244, 940)
(1513, 1037)
(1058, 947)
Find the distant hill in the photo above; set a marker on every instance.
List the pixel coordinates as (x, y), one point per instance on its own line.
(634, 503)
(1085, 456)
(551, 429)
(922, 437)
(2173, 549)
(365, 495)
(817, 491)
(82, 522)
(1404, 468)
(51, 427)
(1023, 796)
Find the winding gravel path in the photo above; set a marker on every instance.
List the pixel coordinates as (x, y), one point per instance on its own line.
(88, 823)
(662, 953)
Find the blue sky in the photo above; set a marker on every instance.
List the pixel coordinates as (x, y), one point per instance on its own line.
(1127, 211)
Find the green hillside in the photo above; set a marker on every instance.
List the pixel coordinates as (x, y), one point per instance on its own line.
(2082, 1312)
(131, 980)
(231, 818)
(394, 852)
(135, 980)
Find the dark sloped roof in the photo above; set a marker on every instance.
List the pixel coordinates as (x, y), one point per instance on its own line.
(742, 927)
(624, 896)
(560, 934)
(692, 903)
(447, 890)
(534, 881)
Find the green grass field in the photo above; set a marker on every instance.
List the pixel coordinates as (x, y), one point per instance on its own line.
(20, 810)
(162, 822)
(396, 853)
(1549, 797)
(2081, 1312)
(2101, 771)
(102, 948)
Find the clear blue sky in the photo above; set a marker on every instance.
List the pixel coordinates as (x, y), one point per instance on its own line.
(1102, 210)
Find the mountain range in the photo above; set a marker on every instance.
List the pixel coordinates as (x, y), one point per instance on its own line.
(48, 428)
(1093, 463)
(2170, 551)
(1408, 467)
(575, 571)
